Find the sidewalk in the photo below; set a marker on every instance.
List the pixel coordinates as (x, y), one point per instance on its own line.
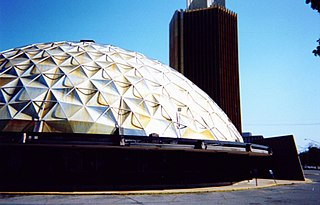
(243, 185)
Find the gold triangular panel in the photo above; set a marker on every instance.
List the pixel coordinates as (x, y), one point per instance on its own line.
(125, 119)
(83, 58)
(111, 99)
(5, 113)
(31, 70)
(205, 134)
(69, 62)
(69, 110)
(117, 57)
(129, 93)
(62, 83)
(141, 120)
(132, 79)
(25, 111)
(40, 55)
(122, 87)
(10, 72)
(157, 126)
(122, 80)
(17, 126)
(60, 58)
(44, 45)
(133, 104)
(85, 94)
(81, 115)
(144, 109)
(91, 69)
(56, 51)
(171, 130)
(51, 79)
(38, 82)
(43, 108)
(97, 128)
(56, 113)
(3, 99)
(111, 88)
(4, 64)
(157, 113)
(142, 87)
(81, 126)
(92, 51)
(149, 108)
(165, 114)
(103, 61)
(8, 81)
(96, 111)
(100, 84)
(97, 100)
(47, 128)
(77, 76)
(113, 71)
(11, 53)
(20, 59)
(126, 56)
(101, 74)
(136, 121)
(37, 93)
(20, 96)
(108, 118)
(54, 71)
(75, 50)
(10, 93)
(30, 110)
(46, 64)
(125, 68)
(87, 85)
(71, 97)
(23, 70)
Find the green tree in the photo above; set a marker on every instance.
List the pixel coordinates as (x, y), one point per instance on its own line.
(315, 5)
(311, 157)
(316, 51)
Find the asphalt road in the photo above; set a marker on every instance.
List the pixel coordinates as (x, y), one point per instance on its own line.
(308, 193)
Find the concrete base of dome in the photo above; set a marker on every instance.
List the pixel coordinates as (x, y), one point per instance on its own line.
(80, 162)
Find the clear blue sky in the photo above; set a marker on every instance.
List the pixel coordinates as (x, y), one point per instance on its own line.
(280, 78)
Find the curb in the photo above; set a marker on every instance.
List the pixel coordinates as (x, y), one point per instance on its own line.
(240, 186)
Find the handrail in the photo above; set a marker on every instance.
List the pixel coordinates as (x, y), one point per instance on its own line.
(121, 140)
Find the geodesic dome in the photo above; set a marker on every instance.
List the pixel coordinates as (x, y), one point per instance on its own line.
(92, 88)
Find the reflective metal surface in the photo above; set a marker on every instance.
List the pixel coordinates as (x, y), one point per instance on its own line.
(92, 88)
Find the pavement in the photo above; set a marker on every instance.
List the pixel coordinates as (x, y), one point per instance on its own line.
(243, 185)
(251, 192)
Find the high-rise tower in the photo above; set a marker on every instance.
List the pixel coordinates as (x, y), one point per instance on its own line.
(204, 48)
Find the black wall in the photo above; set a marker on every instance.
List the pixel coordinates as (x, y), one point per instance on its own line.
(285, 161)
(35, 167)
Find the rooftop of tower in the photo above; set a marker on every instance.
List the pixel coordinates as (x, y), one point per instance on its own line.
(201, 4)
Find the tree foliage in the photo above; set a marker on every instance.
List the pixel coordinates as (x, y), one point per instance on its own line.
(316, 51)
(315, 5)
(311, 157)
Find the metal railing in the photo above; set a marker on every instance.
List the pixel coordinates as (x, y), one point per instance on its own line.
(129, 141)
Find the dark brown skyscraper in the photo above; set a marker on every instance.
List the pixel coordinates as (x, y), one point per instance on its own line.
(204, 48)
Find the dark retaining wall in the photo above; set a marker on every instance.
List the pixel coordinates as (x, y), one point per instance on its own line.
(285, 161)
(34, 167)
